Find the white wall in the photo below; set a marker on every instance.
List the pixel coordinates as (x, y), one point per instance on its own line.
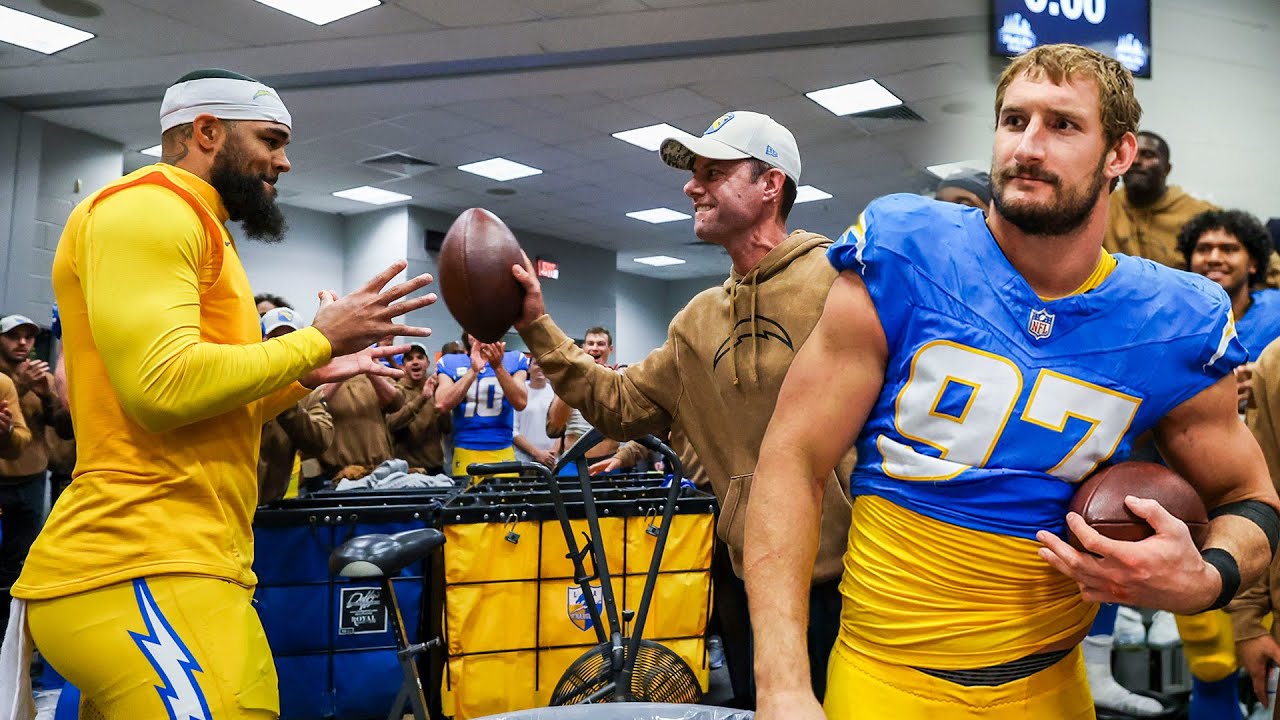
(309, 259)
(642, 317)
(1212, 97)
(10, 123)
(54, 169)
(373, 240)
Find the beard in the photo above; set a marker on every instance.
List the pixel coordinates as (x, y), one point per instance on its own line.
(246, 199)
(1067, 212)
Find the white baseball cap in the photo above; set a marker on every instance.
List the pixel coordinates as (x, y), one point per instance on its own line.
(735, 136)
(280, 317)
(9, 323)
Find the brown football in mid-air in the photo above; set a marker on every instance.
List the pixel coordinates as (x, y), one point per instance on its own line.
(475, 274)
(1100, 501)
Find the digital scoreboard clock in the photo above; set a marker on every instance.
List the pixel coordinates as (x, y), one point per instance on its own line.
(1119, 28)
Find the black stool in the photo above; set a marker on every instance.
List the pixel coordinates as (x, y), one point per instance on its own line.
(383, 557)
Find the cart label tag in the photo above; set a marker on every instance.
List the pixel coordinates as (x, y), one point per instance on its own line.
(362, 611)
(579, 615)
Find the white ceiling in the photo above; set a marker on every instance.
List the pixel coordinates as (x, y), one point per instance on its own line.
(545, 82)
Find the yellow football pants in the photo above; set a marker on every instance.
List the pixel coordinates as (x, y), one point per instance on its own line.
(462, 457)
(1207, 644)
(859, 687)
(160, 647)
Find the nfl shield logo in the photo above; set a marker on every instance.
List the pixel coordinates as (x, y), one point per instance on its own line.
(1041, 324)
(579, 615)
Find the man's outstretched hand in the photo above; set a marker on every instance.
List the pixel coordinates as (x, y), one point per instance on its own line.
(348, 366)
(367, 315)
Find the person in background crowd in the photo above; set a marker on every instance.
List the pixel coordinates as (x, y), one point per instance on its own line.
(483, 389)
(531, 439)
(304, 429)
(966, 187)
(1146, 214)
(267, 301)
(1232, 248)
(567, 423)
(62, 451)
(416, 428)
(14, 433)
(23, 485)
(361, 441)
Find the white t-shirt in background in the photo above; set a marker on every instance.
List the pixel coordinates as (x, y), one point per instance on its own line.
(531, 422)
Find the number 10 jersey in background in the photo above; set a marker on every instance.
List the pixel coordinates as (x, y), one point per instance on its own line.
(484, 420)
(995, 404)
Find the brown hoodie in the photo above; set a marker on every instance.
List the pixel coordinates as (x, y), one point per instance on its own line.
(1255, 602)
(1151, 232)
(716, 379)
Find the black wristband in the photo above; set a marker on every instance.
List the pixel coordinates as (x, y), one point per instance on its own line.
(1230, 572)
(1260, 513)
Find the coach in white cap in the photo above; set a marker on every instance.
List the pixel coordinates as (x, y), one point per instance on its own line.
(139, 588)
(716, 379)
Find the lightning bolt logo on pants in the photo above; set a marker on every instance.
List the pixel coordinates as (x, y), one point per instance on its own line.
(175, 665)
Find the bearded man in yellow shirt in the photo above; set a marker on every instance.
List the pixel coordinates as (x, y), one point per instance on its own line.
(138, 589)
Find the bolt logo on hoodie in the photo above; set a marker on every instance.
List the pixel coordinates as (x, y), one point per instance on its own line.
(765, 328)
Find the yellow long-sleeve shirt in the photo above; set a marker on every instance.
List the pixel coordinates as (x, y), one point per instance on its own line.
(170, 384)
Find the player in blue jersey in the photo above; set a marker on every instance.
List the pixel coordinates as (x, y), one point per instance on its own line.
(483, 388)
(985, 368)
(1233, 249)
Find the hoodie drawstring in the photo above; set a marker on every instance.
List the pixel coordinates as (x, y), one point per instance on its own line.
(753, 277)
(733, 330)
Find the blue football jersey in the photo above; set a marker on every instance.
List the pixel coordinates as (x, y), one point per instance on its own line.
(484, 419)
(995, 402)
(1260, 324)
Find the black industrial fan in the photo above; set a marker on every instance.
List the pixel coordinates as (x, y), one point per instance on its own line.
(619, 669)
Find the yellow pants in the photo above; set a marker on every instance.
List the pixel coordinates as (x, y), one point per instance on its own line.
(462, 457)
(1207, 644)
(161, 647)
(859, 687)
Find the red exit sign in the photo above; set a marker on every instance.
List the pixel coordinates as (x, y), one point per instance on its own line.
(547, 268)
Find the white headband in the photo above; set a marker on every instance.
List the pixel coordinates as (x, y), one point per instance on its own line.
(223, 98)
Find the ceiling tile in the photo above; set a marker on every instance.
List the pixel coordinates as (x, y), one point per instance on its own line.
(677, 102)
(494, 143)
(472, 13)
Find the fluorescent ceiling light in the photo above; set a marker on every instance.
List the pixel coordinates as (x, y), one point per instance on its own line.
(153, 151)
(36, 33)
(499, 169)
(809, 193)
(854, 98)
(660, 260)
(650, 137)
(946, 170)
(658, 215)
(372, 195)
(321, 12)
